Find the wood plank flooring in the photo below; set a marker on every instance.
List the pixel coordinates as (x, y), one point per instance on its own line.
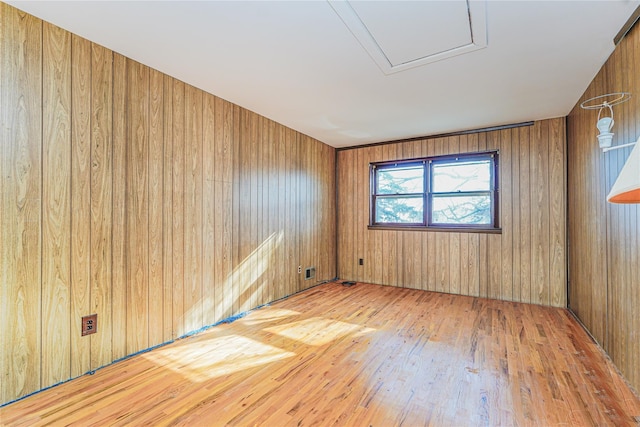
(365, 355)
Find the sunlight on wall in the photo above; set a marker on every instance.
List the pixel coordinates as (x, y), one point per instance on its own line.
(201, 360)
(248, 272)
(318, 331)
(255, 264)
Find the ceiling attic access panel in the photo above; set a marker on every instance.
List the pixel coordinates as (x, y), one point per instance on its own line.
(399, 35)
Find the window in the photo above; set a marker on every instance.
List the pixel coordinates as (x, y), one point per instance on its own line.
(447, 192)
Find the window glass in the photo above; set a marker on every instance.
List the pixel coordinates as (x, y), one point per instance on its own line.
(461, 210)
(407, 180)
(462, 176)
(399, 210)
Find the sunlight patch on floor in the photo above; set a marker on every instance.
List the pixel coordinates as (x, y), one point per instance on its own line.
(318, 331)
(205, 359)
(270, 315)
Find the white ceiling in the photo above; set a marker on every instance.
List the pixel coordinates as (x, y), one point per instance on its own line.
(298, 63)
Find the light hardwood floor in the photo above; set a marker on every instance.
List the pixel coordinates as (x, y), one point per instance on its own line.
(365, 355)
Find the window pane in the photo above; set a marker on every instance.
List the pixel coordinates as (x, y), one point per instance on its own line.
(467, 176)
(401, 180)
(399, 210)
(462, 210)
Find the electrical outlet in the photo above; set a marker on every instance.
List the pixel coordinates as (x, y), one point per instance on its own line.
(89, 324)
(299, 269)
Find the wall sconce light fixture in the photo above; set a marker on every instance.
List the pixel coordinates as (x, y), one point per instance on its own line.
(626, 189)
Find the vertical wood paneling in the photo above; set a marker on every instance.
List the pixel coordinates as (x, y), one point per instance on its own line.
(167, 211)
(506, 216)
(80, 203)
(101, 202)
(209, 238)
(242, 231)
(235, 229)
(360, 213)
(540, 214)
(119, 256)
(137, 207)
(193, 209)
(155, 156)
(178, 200)
(294, 211)
(524, 206)
(254, 164)
(56, 200)
(557, 213)
(270, 206)
(516, 142)
(283, 266)
(133, 179)
(261, 210)
(476, 264)
(21, 201)
(224, 205)
(604, 238)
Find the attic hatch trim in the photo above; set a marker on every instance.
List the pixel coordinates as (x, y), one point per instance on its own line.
(477, 16)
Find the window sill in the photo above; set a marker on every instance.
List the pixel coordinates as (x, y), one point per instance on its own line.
(438, 229)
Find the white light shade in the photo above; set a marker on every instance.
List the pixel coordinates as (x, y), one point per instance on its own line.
(627, 187)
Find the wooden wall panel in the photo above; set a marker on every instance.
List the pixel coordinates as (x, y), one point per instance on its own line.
(56, 200)
(101, 202)
(193, 210)
(81, 199)
(137, 192)
(119, 213)
(604, 238)
(167, 211)
(22, 216)
(209, 241)
(156, 141)
(467, 263)
(130, 194)
(178, 200)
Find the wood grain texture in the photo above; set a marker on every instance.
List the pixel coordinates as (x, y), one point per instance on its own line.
(532, 219)
(193, 210)
(119, 211)
(156, 204)
(209, 242)
(144, 171)
(604, 238)
(21, 97)
(80, 202)
(137, 187)
(167, 212)
(178, 200)
(56, 201)
(358, 356)
(101, 202)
